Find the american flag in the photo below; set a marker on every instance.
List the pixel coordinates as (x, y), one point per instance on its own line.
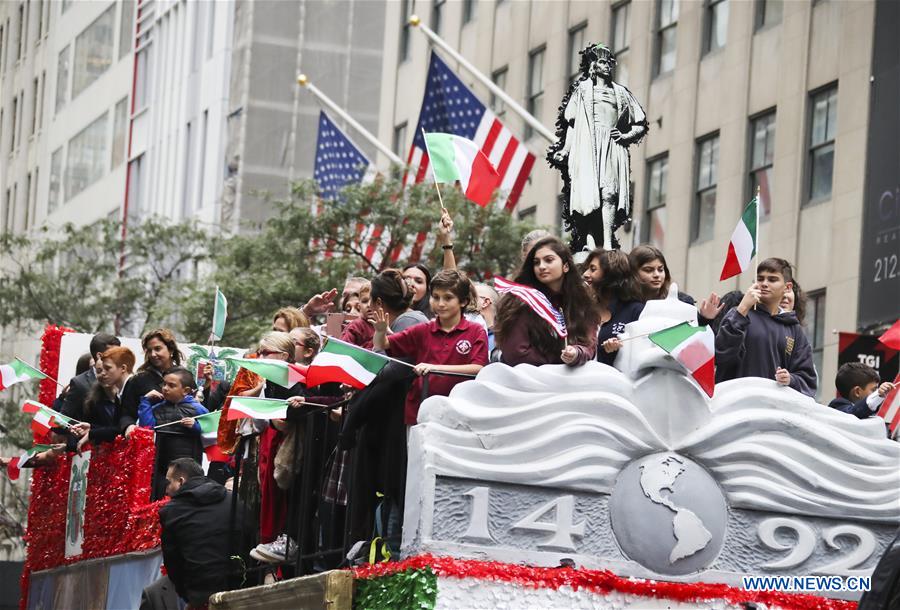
(450, 107)
(339, 161)
(890, 408)
(536, 300)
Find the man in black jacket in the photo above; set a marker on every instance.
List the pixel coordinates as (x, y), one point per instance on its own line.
(199, 535)
(79, 386)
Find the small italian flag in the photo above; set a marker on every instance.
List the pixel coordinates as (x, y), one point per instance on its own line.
(17, 371)
(743, 242)
(18, 462)
(285, 374)
(220, 313)
(257, 408)
(695, 348)
(454, 158)
(44, 418)
(209, 431)
(343, 362)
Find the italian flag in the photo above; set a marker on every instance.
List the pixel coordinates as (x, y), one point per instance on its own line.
(209, 431)
(18, 462)
(454, 158)
(694, 347)
(257, 408)
(220, 313)
(45, 418)
(283, 373)
(17, 371)
(743, 242)
(343, 362)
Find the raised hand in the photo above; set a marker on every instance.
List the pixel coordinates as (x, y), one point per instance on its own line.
(321, 303)
(445, 228)
(381, 321)
(750, 300)
(711, 306)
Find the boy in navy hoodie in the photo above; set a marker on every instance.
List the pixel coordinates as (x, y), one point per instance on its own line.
(860, 392)
(758, 339)
(175, 403)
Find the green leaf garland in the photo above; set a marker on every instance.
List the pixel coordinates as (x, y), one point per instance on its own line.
(410, 590)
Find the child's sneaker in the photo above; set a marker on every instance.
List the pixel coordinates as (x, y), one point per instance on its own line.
(282, 550)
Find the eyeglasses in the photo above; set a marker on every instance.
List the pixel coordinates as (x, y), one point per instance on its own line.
(267, 352)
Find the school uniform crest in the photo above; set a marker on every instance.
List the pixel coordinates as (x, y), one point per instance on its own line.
(788, 345)
(463, 346)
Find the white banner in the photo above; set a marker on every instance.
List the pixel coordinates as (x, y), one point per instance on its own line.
(78, 482)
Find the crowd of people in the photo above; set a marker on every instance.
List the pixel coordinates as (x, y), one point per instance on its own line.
(444, 325)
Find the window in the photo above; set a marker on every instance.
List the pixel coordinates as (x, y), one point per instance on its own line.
(204, 135)
(39, 11)
(41, 102)
(576, 44)
(654, 232)
(126, 21)
(620, 37)
(188, 183)
(762, 153)
(436, 12)
(35, 86)
(2, 39)
(815, 329)
(535, 86)
(93, 51)
(135, 179)
(120, 123)
(768, 12)
(6, 209)
(704, 213)
(716, 25)
(399, 140)
(56, 175)
(27, 197)
(64, 5)
(142, 79)
(468, 11)
(31, 207)
(21, 30)
(12, 124)
(666, 36)
(823, 127)
(620, 14)
(87, 157)
(403, 55)
(211, 28)
(499, 78)
(62, 78)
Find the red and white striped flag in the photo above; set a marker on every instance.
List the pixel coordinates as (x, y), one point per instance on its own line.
(890, 408)
(536, 300)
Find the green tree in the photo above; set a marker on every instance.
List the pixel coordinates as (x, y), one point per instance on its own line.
(309, 246)
(89, 279)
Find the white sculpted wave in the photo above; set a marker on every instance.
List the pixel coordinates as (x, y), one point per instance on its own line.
(769, 447)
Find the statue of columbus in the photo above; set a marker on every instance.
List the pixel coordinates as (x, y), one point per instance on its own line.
(598, 120)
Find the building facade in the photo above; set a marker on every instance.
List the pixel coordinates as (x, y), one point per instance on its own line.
(739, 95)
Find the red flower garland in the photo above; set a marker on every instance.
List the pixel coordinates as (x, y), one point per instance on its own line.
(49, 362)
(598, 581)
(118, 515)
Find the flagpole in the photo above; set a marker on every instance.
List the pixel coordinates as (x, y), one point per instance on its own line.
(758, 243)
(529, 118)
(41, 372)
(303, 81)
(412, 366)
(433, 175)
